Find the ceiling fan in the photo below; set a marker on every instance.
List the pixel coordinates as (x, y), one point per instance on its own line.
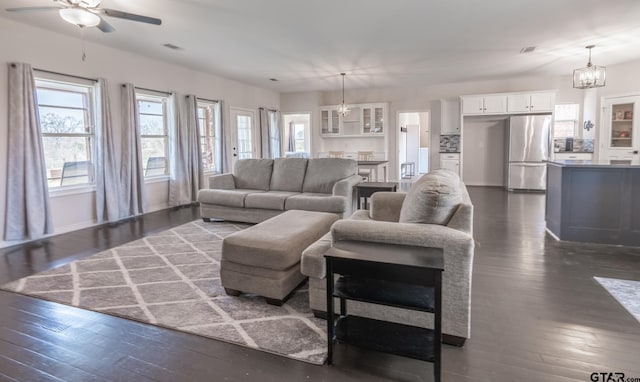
(88, 13)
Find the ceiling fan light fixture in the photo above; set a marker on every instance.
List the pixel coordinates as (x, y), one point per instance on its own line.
(79, 17)
(591, 76)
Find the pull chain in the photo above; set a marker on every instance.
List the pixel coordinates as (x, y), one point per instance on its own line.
(84, 55)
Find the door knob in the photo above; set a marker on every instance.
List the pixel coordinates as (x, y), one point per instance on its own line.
(635, 152)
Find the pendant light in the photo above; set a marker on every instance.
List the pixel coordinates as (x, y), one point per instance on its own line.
(343, 109)
(591, 76)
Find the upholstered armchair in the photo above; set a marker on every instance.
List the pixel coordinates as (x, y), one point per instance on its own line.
(437, 212)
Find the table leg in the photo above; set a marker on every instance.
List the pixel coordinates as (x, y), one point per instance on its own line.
(330, 318)
(358, 198)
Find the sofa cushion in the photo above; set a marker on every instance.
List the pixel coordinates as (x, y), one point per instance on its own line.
(433, 199)
(309, 201)
(254, 174)
(323, 173)
(229, 198)
(288, 174)
(270, 200)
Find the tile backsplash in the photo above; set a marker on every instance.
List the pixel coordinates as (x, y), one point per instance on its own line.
(572, 145)
(450, 143)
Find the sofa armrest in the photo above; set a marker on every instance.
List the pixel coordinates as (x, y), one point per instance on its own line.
(344, 187)
(222, 182)
(421, 235)
(386, 206)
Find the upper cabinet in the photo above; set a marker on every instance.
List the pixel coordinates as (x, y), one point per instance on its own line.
(484, 104)
(508, 103)
(619, 137)
(362, 120)
(449, 117)
(530, 103)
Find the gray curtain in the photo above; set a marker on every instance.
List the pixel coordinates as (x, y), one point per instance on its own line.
(131, 175)
(186, 169)
(292, 138)
(269, 129)
(224, 143)
(107, 180)
(28, 213)
(275, 137)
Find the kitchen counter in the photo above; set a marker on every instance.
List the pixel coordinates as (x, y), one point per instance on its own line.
(596, 163)
(594, 201)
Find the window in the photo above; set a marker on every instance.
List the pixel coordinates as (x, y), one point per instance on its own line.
(245, 142)
(566, 120)
(153, 133)
(68, 135)
(209, 128)
(298, 136)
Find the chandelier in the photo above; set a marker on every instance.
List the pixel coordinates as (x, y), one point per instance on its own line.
(343, 109)
(591, 76)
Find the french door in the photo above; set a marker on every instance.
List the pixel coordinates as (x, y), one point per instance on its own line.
(242, 135)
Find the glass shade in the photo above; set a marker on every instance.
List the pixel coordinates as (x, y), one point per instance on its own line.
(79, 17)
(343, 109)
(591, 76)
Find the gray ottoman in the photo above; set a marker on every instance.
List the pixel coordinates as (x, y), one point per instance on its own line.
(265, 259)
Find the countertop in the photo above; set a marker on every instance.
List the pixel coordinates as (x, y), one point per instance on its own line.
(596, 163)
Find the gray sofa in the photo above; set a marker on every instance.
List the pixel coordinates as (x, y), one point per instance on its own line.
(259, 189)
(437, 212)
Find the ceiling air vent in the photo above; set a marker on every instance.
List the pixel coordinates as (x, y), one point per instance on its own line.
(527, 49)
(171, 46)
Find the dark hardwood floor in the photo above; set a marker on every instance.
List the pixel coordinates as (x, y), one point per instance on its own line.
(537, 315)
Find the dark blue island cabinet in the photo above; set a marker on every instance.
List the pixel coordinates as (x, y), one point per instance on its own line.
(594, 201)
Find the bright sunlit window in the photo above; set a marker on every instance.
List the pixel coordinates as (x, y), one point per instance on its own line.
(566, 120)
(153, 134)
(209, 128)
(66, 120)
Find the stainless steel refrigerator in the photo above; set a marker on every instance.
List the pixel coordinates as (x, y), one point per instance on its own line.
(529, 146)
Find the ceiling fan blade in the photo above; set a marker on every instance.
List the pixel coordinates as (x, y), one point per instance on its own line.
(105, 26)
(131, 16)
(31, 9)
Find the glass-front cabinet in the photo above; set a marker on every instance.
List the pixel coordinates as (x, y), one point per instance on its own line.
(362, 120)
(620, 131)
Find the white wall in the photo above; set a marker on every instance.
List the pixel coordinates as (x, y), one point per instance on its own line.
(50, 51)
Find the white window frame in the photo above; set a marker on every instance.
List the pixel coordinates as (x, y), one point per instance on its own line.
(576, 121)
(62, 83)
(150, 96)
(216, 137)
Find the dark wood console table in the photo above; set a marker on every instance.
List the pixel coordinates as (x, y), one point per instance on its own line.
(366, 189)
(392, 275)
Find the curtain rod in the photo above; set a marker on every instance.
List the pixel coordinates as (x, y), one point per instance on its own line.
(64, 74)
(208, 100)
(152, 90)
(269, 109)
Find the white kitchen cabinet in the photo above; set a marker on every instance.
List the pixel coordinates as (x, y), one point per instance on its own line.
(620, 133)
(450, 117)
(330, 121)
(573, 156)
(450, 162)
(373, 119)
(485, 104)
(530, 102)
(362, 120)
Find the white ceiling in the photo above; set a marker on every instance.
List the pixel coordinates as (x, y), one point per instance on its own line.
(305, 44)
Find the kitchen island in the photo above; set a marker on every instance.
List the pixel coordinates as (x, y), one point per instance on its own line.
(594, 201)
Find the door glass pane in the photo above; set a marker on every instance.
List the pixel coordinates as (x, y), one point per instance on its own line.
(366, 120)
(245, 143)
(335, 122)
(622, 125)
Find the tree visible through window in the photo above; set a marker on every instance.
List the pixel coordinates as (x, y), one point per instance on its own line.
(153, 134)
(565, 120)
(66, 120)
(209, 129)
(298, 136)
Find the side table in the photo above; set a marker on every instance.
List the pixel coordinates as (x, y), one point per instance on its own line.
(400, 276)
(366, 189)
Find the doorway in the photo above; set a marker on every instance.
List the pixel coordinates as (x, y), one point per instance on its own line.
(242, 134)
(297, 134)
(414, 142)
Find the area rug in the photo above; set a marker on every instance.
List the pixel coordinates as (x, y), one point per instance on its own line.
(627, 292)
(172, 279)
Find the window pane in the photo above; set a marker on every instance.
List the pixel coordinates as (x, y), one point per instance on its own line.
(152, 125)
(61, 98)
(55, 120)
(153, 148)
(150, 107)
(566, 112)
(564, 129)
(61, 150)
(208, 153)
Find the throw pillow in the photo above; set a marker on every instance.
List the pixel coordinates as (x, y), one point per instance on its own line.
(433, 199)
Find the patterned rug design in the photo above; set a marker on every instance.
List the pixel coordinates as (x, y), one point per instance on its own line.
(172, 279)
(627, 292)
